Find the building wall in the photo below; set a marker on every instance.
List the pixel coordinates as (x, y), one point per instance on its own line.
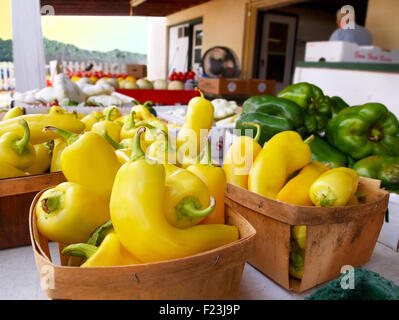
(382, 21)
(223, 23)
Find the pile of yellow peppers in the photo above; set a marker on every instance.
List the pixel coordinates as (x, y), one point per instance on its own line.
(125, 201)
(24, 148)
(283, 170)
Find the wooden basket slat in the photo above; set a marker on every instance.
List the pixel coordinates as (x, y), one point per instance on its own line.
(16, 195)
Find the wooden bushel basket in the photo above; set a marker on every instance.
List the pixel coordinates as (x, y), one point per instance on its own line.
(16, 195)
(214, 274)
(336, 236)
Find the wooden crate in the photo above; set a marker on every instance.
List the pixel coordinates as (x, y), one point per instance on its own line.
(16, 195)
(215, 274)
(336, 236)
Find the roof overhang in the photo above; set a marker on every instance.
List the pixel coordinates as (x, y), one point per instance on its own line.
(154, 8)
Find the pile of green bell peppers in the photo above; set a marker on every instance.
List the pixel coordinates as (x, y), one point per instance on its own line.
(365, 137)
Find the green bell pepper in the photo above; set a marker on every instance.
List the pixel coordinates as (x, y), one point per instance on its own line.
(365, 130)
(273, 114)
(326, 154)
(337, 104)
(316, 106)
(383, 168)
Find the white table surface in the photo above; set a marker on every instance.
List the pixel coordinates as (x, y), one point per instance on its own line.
(19, 279)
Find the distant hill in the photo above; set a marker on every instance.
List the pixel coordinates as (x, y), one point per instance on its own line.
(5, 50)
(55, 49)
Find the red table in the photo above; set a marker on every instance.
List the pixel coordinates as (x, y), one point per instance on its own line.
(163, 97)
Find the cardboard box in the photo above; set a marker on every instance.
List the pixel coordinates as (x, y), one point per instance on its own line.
(136, 70)
(330, 51)
(386, 56)
(395, 56)
(222, 86)
(261, 86)
(237, 86)
(368, 54)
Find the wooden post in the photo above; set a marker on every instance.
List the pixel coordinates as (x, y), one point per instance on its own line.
(29, 60)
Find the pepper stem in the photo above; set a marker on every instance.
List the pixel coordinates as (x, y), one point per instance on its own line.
(20, 145)
(200, 92)
(132, 123)
(375, 135)
(137, 152)
(111, 141)
(53, 202)
(148, 104)
(309, 139)
(206, 157)
(108, 116)
(151, 127)
(99, 234)
(70, 137)
(258, 131)
(189, 208)
(325, 197)
(81, 250)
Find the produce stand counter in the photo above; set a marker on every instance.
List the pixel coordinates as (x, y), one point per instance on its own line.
(357, 83)
(19, 279)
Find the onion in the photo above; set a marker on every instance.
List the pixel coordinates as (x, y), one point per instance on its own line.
(144, 84)
(160, 84)
(176, 85)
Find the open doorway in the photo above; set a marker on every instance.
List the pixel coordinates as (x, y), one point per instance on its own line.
(282, 34)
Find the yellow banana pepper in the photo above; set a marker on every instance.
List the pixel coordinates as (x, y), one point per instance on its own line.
(138, 216)
(123, 155)
(91, 119)
(299, 235)
(122, 119)
(112, 113)
(297, 263)
(129, 129)
(194, 133)
(88, 160)
(142, 112)
(69, 213)
(113, 128)
(13, 113)
(214, 178)
(59, 145)
(7, 171)
(109, 254)
(17, 151)
(37, 122)
(187, 199)
(162, 150)
(57, 110)
(43, 160)
(281, 156)
(296, 191)
(334, 187)
(240, 157)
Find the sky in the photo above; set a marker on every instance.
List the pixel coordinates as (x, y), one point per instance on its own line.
(87, 32)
